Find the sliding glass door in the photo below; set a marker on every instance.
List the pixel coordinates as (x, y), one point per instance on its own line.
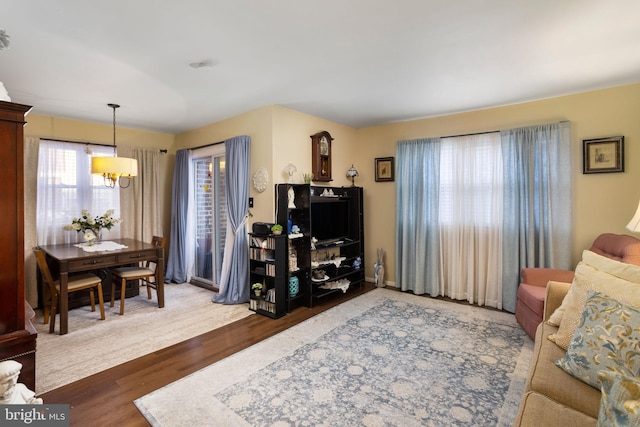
(210, 214)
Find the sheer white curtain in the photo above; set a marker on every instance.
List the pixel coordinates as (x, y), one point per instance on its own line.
(470, 217)
(65, 187)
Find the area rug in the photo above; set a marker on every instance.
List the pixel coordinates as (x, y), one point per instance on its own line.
(93, 345)
(384, 358)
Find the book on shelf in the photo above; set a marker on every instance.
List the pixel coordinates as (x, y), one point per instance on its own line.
(263, 242)
(270, 296)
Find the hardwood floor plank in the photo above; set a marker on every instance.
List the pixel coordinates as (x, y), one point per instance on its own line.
(106, 398)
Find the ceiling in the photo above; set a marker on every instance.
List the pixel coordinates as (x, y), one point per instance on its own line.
(355, 62)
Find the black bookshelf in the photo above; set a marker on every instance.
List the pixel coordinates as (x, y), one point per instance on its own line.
(267, 266)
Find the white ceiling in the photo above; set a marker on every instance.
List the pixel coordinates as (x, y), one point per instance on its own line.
(356, 62)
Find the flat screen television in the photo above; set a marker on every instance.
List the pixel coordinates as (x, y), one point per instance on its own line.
(330, 220)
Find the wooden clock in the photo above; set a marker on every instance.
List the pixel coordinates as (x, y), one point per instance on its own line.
(321, 156)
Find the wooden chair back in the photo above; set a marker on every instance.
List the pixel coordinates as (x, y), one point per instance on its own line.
(44, 271)
(156, 241)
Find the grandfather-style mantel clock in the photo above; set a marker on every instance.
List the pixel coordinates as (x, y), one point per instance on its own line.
(321, 156)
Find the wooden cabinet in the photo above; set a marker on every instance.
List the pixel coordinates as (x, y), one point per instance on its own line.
(17, 335)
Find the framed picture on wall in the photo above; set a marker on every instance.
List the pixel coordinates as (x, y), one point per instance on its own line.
(384, 169)
(603, 155)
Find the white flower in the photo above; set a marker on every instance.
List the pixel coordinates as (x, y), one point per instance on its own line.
(87, 222)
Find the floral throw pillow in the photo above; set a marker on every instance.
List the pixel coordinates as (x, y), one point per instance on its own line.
(595, 272)
(607, 339)
(620, 403)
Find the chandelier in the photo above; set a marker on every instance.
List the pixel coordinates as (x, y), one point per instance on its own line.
(113, 169)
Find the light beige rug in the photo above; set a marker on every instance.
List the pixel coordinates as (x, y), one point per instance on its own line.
(93, 345)
(383, 358)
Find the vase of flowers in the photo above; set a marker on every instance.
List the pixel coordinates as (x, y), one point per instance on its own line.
(91, 227)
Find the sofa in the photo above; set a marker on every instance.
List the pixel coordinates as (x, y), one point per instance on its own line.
(532, 289)
(580, 346)
(552, 397)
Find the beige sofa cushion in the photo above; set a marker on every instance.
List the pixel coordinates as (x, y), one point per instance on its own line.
(538, 410)
(548, 379)
(595, 272)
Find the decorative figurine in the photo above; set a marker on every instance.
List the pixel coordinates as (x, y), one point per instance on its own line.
(356, 263)
(293, 261)
(291, 196)
(12, 392)
(379, 269)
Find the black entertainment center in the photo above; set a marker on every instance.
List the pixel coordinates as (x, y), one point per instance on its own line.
(321, 253)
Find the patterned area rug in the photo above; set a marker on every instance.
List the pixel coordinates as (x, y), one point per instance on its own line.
(383, 359)
(93, 345)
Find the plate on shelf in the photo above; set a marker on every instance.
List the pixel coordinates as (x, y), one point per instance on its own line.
(313, 279)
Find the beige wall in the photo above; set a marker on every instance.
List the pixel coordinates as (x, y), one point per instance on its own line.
(257, 124)
(601, 202)
(292, 142)
(75, 130)
(278, 136)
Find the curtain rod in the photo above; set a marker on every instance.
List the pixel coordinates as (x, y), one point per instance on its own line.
(87, 143)
(78, 142)
(207, 145)
(470, 134)
(483, 133)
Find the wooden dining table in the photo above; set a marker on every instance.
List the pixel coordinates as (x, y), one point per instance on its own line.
(72, 258)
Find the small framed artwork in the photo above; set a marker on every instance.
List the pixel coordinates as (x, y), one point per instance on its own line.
(603, 155)
(384, 169)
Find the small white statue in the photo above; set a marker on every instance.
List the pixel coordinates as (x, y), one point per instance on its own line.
(291, 195)
(379, 269)
(12, 392)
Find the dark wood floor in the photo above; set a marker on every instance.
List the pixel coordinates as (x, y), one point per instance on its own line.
(106, 398)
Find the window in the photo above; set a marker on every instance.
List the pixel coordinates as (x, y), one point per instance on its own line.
(66, 187)
(471, 180)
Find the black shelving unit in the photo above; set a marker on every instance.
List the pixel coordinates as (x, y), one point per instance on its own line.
(267, 266)
(295, 219)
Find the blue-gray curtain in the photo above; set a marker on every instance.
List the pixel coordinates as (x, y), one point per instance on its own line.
(537, 202)
(176, 259)
(417, 206)
(234, 279)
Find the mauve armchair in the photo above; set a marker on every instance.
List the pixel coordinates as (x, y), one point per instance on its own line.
(532, 290)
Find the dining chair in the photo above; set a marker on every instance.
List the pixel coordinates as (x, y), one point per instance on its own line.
(76, 283)
(144, 273)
